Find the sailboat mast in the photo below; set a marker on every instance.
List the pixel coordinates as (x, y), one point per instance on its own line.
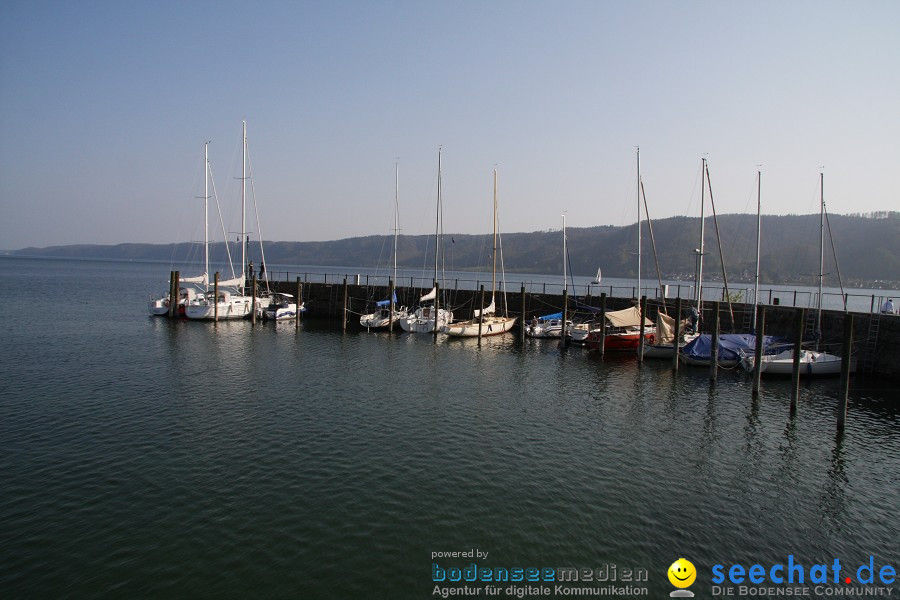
(821, 251)
(244, 204)
(206, 215)
(437, 220)
(396, 214)
(702, 232)
(565, 290)
(639, 221)
(494, 252)
(758, 247)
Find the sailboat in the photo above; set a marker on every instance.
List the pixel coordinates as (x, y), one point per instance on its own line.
(553, 326)
(596, 280)
(431, 317)
(623, 327)
(812, 362)
(485, 321)
(186, 295)
(231, 302)
(387, 311)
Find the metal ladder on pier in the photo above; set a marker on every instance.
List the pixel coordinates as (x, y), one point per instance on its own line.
(810, 324)
(747, 323)
(868, 359)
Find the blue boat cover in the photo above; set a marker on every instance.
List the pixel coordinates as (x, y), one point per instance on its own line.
(386, 302)
(732, 346)
(551, 317)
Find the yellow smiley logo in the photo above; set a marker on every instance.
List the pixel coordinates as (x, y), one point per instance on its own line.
(682, 573)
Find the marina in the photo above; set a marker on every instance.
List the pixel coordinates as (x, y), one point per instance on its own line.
(169, 458)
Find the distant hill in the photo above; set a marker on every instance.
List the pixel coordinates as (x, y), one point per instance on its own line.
(867, 248)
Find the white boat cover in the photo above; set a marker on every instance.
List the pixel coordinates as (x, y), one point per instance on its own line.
(430, 295)
(201, 279)
(628, 317)
(236, 282)
(489, 310)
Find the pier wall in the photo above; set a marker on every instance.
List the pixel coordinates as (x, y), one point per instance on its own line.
(876, 338)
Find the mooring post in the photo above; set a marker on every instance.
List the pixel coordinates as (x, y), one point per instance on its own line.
(522, 322)
(344, 314)
(481, 315)
(602, 323)
(757, 351)
(640, 352)
(437, 305)
(299, 303)
(675, 341)
(714, 344)
(391, 296)
(565, 317)
(173, 302)
(171, 296)
(216, 299)
(846, 359)
(253, 303)
(799, 315)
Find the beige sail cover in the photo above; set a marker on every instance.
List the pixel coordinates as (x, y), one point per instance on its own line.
(629, 317)
(665, 329)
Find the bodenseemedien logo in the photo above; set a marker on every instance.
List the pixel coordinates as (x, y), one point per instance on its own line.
(682, 574)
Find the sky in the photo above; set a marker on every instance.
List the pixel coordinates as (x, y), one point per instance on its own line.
(105, 108)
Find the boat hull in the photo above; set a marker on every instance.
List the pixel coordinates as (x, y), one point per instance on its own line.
(490, 326)
(812, 364)
(236, 308)
(619, 342)
(423, 320)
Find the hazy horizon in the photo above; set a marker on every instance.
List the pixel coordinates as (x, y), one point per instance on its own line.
(106, 107)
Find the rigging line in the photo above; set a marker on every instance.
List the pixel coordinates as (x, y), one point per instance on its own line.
(719, 241)
(262, 252)
(740, 220)
(222, 224)
(653, 244)
(836, 265)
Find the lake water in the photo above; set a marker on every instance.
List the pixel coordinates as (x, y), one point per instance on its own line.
(142, 457)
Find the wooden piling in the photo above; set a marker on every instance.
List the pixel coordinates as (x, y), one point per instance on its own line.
(437, 304)
(757, 350)
(799, 315)
(714, 345)
(522, 322)
(253, 302)
(677, 332)
(640, 352)
(846, 359)
(344, 313)
(173, 293)
(481, 315)
(215, 298)
(602, 323)
(391, 296)
(299, 303)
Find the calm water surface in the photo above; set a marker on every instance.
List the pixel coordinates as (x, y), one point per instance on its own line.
(146, 458)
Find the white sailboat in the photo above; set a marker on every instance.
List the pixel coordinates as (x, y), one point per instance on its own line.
(386, 311)
(596, 280)
(431, 317)
(231, 302)
(186, 295)
(281, 306)
(812, 362)
(486, 321)
(553, 326)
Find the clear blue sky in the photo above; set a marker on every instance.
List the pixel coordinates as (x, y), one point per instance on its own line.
(106, 105)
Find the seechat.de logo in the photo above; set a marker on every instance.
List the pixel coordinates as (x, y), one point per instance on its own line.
(682, 574)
